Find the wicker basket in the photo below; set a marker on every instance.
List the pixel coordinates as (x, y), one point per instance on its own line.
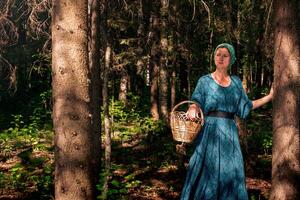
(183, 129)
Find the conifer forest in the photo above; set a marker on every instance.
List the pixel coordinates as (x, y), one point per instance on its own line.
(88, 88)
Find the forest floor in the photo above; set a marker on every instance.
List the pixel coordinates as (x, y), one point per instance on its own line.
(144, 167)
(160, 175)
(139, 171)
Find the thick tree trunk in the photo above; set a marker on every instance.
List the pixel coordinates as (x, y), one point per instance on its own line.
(286, 146)
(94, 62)
(163, 73)
(72, 101)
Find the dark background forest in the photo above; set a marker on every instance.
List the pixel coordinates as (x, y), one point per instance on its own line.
(158, 51)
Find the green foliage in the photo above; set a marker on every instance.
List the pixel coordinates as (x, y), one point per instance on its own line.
(21, 176)
(116, 188)
(20, 128)
(17, 176)
(261, 141)
(129, 121)
(259, 127)
(29, 139)
(2, 179)
(21, 135)
(132, 119)
(32, 170)
(252, 197)
(267, 143)
(39, 118)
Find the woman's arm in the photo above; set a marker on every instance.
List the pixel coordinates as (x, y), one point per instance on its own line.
(262, 101)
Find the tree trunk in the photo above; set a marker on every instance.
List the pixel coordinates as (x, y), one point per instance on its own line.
(189, 80)
(72, 101)
(173, 87)
(245, 78)
(173, 46)
(96, 84)
(238, 38)
(210, 47)
(286, 152)
(123, 86)
(154, 90)
(259, 54)
(107, 124)
(105, 96)
(142, 73)
(154, 68)
(228, 22)
(163, 73)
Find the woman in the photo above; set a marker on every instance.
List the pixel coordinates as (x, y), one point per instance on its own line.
(216, 169)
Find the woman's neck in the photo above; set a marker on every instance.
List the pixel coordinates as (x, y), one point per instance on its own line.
(221, 77)
(220, 74)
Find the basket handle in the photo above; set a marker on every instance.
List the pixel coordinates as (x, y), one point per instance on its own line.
(183, 102)
(193, 102)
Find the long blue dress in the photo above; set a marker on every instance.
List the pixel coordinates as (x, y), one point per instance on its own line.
(216, 169)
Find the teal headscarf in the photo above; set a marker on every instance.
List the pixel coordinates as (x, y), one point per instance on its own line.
(230, 48)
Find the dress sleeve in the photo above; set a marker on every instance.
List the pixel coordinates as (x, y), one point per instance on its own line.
(199, 94)
(245, 104)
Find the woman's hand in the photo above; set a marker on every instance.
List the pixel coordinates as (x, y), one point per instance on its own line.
(271, 93)
(262, 101)
(192, 112)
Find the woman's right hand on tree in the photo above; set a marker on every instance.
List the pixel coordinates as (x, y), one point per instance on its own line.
(271, 93)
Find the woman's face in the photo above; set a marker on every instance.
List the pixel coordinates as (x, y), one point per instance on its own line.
(222, 58)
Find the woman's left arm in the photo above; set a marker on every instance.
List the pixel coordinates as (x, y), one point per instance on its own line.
(262, 101)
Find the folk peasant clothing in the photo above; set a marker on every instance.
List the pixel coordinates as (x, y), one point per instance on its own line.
(216, 169)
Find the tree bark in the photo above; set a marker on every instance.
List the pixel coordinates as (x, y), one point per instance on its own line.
(94, 65)
(173, 87)
(163, 73)
(154, 68)
(107, 123)
(141, 64)
(189, 80)
(211, 36)
(238, 37)
(72, 101)
(105, 96)
(173, 46)
(123, 86)
(286, 152)
(154, 90)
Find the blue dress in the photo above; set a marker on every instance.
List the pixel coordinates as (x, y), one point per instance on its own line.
(216, 168)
